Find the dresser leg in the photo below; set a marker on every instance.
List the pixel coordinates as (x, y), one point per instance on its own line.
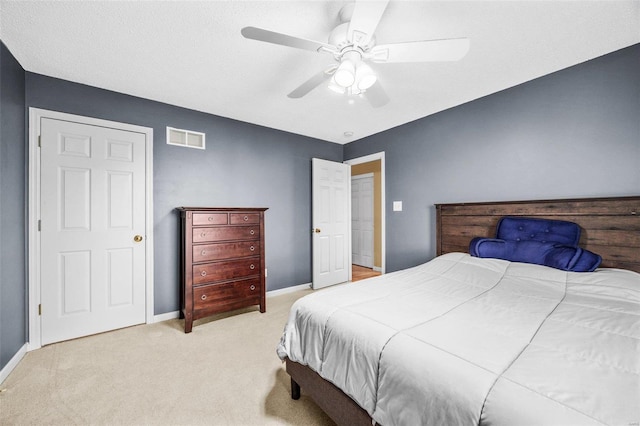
(188, 323)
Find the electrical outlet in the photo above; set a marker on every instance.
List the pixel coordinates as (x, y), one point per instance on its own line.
(397, 206)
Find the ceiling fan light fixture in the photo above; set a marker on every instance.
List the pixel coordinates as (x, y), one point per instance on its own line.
(365, 77)
(345, 75)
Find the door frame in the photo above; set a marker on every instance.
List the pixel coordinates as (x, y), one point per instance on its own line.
(367, 159)
(34, 282)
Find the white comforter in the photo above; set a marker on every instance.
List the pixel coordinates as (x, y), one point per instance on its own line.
(467, 341)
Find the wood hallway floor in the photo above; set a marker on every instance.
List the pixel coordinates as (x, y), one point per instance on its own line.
(360, 273)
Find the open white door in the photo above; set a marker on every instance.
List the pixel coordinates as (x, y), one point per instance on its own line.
(331, 222)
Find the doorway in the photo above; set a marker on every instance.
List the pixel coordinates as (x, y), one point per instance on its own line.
(374, 165)
(362, 224)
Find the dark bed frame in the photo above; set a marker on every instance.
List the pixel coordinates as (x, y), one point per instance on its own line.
(610, 228)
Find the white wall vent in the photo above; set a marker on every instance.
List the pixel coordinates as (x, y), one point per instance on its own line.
(186, 138)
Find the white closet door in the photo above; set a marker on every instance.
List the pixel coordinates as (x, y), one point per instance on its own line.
(362, 220)
(92, 229)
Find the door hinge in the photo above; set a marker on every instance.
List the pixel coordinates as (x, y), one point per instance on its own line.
(39, 225)
(39, 141)
(40, 309)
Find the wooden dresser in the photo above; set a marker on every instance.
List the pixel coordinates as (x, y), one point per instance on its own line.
(222, 260)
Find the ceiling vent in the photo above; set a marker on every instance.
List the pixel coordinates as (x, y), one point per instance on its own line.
(186, 138)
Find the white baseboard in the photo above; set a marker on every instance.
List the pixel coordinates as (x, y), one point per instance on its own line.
(377, 269)
(286, 290)
(176, 314)
(13, 363)
(166, 316)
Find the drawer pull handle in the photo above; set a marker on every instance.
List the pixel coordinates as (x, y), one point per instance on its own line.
(210, 218)
(203, 297)
(204, 234)
(252, 248)
(203, 273)
(203, 252)
(252, 266)
(252, 232)
(246, 218)
(253, 287)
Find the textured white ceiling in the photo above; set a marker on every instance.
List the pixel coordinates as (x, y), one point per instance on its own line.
(191, 53)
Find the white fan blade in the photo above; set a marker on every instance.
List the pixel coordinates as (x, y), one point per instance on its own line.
(285, 40)
(365, 19)
(376, 95)
(311, 84)
(452, 49)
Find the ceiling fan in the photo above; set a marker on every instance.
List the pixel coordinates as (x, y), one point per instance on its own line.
(353, 46)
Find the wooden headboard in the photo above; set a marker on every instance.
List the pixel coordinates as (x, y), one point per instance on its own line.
(610, 226)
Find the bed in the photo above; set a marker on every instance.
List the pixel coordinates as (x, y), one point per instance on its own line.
(461, 340)
(464, 340)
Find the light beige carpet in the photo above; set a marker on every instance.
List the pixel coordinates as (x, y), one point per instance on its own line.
(225, 372)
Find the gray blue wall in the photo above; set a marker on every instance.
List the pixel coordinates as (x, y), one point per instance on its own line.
(13, 288)
(243, 165)
(574, 133)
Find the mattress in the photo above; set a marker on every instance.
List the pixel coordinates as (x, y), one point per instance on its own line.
(464, 340)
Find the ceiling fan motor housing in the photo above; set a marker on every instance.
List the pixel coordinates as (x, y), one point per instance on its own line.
(339, 39)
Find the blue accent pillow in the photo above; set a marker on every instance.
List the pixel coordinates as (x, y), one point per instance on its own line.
(544, 230)
(551, 243)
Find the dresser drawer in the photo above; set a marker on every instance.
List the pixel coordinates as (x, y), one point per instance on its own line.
(201, 235)
(219, 251)
(219, 295)
(218, 271)
(240, 218)
(210, 219)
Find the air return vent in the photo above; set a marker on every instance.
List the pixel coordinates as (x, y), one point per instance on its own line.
(186, 138)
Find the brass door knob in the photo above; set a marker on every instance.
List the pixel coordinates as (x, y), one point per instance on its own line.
(316, 230)
(137, 238)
